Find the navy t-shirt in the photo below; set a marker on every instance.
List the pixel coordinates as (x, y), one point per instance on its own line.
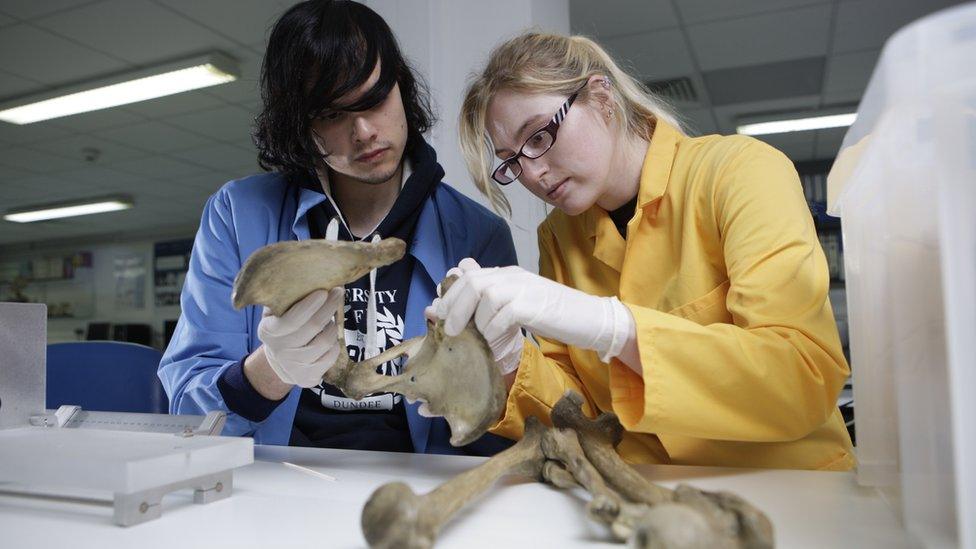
(326, 418)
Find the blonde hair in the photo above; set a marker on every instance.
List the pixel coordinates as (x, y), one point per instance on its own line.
(536, 62)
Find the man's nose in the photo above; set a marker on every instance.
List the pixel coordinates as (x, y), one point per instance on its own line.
(363, 130)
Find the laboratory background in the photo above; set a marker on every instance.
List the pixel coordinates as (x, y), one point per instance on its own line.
(99, 206)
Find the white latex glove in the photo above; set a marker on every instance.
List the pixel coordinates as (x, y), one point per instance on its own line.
(505, 342)
(503, 299)
(302, 344)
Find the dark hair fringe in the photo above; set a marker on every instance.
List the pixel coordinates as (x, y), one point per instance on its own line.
(319, 51)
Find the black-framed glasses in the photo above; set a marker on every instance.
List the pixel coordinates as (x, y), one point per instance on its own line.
(535, 146)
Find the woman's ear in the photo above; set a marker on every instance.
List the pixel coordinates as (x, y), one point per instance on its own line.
(600, 91)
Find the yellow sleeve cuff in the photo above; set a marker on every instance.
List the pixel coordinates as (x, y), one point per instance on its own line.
(632, 395)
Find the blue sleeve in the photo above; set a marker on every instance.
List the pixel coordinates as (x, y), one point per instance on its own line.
(212, 338)
(499, 248)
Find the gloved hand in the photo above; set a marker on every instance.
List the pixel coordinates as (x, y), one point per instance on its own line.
(505, 341)
(302, 344)
(503, 299)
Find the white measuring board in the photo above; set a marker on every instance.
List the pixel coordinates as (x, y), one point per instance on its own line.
(134, 469)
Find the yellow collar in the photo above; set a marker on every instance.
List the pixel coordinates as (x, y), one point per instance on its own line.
(655, 174)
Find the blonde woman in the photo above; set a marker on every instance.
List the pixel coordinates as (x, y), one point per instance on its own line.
(681, 286)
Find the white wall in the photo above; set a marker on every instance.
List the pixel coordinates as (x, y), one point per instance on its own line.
(449, 40)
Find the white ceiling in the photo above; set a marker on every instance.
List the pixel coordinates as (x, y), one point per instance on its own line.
(173, 152)
(754, 49)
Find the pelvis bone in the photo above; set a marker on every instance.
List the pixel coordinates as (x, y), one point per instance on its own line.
(453, 377)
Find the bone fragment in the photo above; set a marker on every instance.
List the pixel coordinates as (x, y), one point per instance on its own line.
(279, 275)
(396, 517)
(555, 473)
(730, 520)
(599, 438)
(563, 445)
(453, 377)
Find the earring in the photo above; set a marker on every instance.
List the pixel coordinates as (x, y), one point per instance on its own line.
(606, 83)
(609, 113)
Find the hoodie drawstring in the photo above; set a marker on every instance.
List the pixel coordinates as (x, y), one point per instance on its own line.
(371, 350)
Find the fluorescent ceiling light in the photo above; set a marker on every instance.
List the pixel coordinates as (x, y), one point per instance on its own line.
(798, 124)
(68, 209)
(190, 74)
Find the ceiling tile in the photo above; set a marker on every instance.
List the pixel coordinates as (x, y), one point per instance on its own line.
(778, 80)
(154, 136)
(158, 167)
(30, 133)
(653, 55)
(207, 183)
(23, 232)
(35, 161)
(50, 59)
(69, 188)
(97, 120)
(10, 192)
(170, 105)
(12, 86)
(866, 24)
(135, 30)
(798, 146)
(729, 115)
(228, 124)
(251, 22)
(28, 9)
(616, 17)
(217, 157)
(9, 174)
(828, 142)
(699, 11)
(85, 147)
(246, 87)
(698, 121)
(850, 71)
(845, 97)
(102, 177)
(762, 38)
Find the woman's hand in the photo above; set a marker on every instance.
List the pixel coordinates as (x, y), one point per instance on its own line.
(505, 341)
(503, 299)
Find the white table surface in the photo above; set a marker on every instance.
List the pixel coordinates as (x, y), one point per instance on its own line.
(274, 505)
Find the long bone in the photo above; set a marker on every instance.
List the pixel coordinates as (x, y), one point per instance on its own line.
(599, 439)
(732, 521)
(454, 377)
(563, 446)
(395, 517)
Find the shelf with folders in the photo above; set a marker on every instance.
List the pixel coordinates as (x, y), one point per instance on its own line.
(64, 282)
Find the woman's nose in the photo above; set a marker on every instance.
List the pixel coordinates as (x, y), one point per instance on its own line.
(533, 169)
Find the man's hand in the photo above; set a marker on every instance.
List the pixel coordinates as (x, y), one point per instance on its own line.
(302, 344)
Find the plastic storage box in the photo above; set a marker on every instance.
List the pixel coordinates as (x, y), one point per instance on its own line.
(904, 184)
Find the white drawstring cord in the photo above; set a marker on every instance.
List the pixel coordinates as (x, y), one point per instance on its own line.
(371, 348)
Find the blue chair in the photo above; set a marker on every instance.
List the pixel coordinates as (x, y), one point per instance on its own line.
(106, 376)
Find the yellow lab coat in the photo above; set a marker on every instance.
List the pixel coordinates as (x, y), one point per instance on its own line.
(727, 283)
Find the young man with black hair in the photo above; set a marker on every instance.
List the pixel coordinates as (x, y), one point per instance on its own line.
(341, 129)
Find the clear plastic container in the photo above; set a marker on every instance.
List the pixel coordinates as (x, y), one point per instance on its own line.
(905, 185)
